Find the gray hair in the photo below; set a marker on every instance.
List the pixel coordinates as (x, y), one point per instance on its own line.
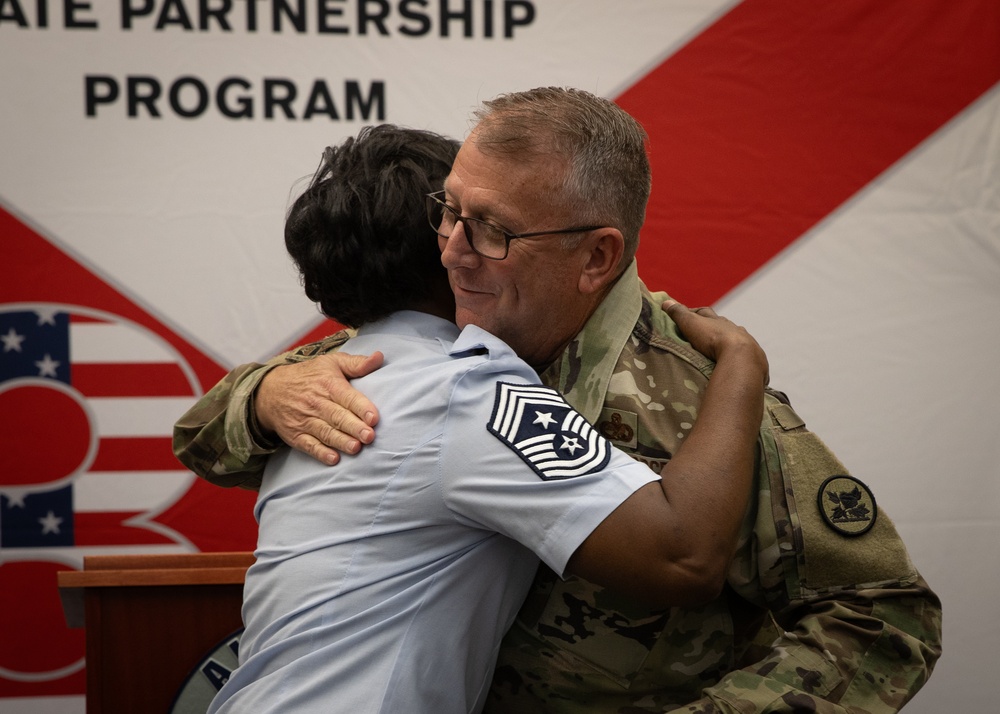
(608, 178)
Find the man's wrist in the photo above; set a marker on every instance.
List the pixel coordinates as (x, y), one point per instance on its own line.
(264, 439)
(245, 437)
(745, 354)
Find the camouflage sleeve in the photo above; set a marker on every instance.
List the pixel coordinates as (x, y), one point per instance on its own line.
(218, 438)
(858, 629)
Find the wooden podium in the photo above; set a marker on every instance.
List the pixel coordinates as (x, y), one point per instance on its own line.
(150, 621)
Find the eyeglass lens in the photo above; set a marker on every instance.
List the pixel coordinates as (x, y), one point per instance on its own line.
(485, 239)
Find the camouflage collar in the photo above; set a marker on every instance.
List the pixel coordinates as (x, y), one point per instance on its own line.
(584, 369)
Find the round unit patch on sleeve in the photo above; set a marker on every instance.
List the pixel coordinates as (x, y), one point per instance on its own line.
(847, 505)
(550, 436)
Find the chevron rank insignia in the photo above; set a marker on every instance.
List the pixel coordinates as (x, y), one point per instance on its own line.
(550, 436)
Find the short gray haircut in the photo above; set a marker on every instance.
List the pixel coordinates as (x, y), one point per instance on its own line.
(608, 178)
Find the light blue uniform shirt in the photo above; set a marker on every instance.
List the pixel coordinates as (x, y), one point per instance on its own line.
(385, 583)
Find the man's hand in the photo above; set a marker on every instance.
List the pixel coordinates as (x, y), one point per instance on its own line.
(312, 407)
(712, 335)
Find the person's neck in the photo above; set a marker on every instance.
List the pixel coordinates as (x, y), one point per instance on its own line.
(438, 308)
(542, 363)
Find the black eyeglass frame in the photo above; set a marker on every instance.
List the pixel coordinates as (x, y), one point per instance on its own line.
(432, 200)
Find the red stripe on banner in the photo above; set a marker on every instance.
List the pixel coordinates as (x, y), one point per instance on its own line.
(214, 518)
(130, 380)
(780, 111)
(36, 643)
(78, 319)
(101, 529)
(40, 272)
(138, 454)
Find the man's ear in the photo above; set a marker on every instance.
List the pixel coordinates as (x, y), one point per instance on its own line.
(605, 249)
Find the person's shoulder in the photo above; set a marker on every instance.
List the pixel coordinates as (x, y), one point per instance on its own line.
(475, 340)
(485, 360)
(330, 343)
(655, 329)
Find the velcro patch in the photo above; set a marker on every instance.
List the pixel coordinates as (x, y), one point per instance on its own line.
(847, 505)
(550, 436)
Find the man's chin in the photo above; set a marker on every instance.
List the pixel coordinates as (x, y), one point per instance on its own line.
(465, 317)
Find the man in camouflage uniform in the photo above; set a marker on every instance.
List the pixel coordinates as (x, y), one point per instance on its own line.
(823, 610)
(814, 618)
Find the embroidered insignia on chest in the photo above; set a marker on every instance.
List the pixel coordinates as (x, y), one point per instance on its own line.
(550, 436)
(619, 427)
(847, 505)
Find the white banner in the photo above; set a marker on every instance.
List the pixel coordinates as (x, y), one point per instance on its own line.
(827, 176)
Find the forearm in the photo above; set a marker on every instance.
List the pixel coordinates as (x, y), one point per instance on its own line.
(718, 457)
(214, 437)
(228, 435)
(671, 543)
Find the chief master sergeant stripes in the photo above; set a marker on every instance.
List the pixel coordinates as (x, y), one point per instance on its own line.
(548, 442)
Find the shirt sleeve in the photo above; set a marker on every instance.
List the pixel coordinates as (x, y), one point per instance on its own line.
(858, 628)
(518, 460)
(218, 438)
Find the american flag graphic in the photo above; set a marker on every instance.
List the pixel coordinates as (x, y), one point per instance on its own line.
(86, 400)
(90, 386)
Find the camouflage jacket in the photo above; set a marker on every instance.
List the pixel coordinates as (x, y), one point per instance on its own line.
(823, 610)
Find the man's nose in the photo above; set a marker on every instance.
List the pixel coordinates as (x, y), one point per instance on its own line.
(455, 249)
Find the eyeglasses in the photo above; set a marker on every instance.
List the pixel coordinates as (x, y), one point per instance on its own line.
(487, 239)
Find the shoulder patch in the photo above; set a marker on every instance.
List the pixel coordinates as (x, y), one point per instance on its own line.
(550, 436)
(847, 505)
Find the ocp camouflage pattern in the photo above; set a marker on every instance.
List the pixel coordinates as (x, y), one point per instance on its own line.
(809, 621)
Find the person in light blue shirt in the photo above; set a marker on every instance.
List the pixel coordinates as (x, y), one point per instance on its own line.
(385, 583)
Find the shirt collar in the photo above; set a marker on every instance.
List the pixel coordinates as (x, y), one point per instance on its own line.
(410, 323)
(584, 369)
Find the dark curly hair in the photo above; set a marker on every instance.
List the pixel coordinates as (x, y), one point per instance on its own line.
(359, 233)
